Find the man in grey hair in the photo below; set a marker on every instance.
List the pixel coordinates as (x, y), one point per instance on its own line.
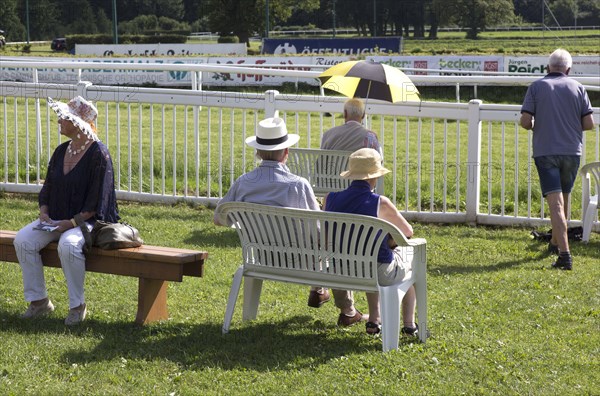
(351, 135)
(557, 109)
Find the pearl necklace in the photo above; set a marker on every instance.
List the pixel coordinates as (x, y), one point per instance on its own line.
(72, 152)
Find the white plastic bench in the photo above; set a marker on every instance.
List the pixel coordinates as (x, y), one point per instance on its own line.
(321, 168)
(327, 249)
(591, 192)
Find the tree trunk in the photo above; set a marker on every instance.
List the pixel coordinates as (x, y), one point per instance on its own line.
(472, 33)
(433, 31)
(244, 37)
(434, 24)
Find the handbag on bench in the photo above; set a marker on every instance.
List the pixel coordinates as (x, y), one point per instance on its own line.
(109, 236)
(115, 235)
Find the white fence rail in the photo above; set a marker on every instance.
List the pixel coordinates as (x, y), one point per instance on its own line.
(451, 162)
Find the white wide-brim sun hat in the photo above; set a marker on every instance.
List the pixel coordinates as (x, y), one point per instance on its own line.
(271, 135)
(364, 164)
(80, 112)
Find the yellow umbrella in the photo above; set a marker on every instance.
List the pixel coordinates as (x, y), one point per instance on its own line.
(370, 80)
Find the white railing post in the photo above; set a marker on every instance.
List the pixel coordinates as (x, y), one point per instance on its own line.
(82, 87)
(270, 110)
(473, 162)
(38, 130)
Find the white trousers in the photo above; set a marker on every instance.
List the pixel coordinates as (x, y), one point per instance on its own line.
(28, 243)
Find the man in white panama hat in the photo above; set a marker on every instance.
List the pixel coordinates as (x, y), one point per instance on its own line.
(271, 183)
(364, 169)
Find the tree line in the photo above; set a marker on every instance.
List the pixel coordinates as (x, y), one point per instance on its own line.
(45, 19)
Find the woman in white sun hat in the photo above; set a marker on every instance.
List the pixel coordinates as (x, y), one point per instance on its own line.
(271, 183)
(78, 189)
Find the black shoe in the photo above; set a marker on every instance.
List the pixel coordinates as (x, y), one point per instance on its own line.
(552, 249)
(410, 331)
(563, 262)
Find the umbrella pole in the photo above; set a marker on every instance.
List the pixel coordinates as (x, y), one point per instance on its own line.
(367, 97)
(367, 101)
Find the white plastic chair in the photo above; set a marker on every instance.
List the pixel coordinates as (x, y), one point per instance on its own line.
(591, 185)
(335, 250)
(321, 168)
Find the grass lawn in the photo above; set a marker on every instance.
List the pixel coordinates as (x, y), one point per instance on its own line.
(501, 321)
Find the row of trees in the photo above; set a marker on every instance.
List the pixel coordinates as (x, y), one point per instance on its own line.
(244, 18)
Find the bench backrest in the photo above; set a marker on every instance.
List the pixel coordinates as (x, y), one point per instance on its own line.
(310, 247)
(321, 168)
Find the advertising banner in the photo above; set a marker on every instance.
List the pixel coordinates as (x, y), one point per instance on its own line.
(432, 65)
(348, 46)
(232, 79)
(102, 76)
(160, 49)
(444, 64)
(582, 65)
(328, 61)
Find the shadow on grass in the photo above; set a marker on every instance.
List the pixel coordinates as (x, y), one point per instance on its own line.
(469, 269)
(214, 236)
(578, 248)
(261, 346)
(590, 249)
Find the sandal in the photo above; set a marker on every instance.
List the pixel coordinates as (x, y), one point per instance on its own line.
(373, 328)
(410, 331)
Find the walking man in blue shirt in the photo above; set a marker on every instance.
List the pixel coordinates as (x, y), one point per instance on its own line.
(558, 110)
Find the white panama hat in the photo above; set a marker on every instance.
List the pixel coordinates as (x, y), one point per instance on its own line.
(80, 112)
(271, 135)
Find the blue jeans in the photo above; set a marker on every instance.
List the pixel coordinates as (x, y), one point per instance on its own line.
(557, 172)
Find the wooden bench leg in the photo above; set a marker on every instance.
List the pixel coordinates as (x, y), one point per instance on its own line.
(152, 301)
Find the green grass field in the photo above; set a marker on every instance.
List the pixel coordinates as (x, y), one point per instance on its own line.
(502, 323)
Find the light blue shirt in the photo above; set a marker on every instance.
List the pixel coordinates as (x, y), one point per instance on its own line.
(272, 183)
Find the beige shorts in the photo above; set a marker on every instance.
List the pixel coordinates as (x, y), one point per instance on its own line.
(394, 272)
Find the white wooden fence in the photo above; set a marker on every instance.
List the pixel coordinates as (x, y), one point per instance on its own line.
(451, 162)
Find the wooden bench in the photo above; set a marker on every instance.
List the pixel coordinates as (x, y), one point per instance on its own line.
(153, 265)
(314, 248)
(322, 169)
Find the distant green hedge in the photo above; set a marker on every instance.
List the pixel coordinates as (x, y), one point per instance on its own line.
(228, 40)
(124, 39)
(170, 32)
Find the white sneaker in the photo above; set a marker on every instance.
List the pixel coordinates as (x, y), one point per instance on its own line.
(35, 311)
(76, 315)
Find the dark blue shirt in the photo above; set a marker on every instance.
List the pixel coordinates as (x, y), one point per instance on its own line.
(359, 199)
(88, 187)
